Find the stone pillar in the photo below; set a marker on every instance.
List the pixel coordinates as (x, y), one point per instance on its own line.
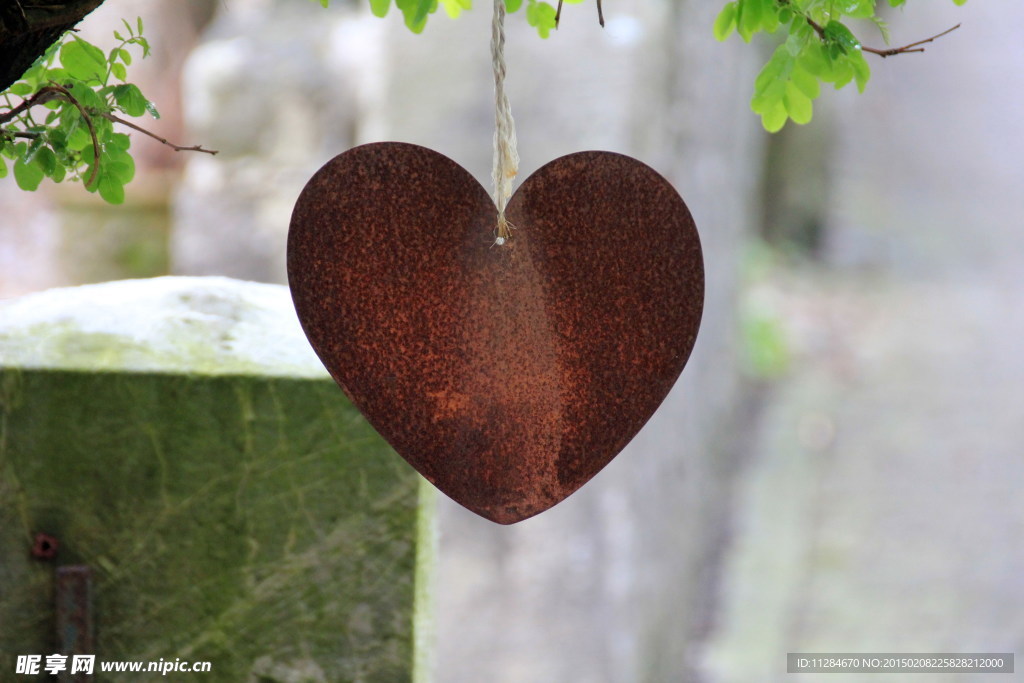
(178, 436)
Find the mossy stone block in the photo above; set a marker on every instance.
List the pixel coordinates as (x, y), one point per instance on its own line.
(233, 506)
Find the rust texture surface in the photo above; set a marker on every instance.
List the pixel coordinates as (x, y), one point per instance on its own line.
(508, 375)
(73, 596)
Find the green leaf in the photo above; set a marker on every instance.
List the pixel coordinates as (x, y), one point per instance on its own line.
(777, 69)
(545, 19)
(453, 8)
(858, 9)
(415, 12)
(83, 60)
(769, 16)
(119, 72)
(123, 169)
(814, 61)
(79, 138)
(882, 27)
(28, 176)
(725, 22)
(380, 7)
(33, 149)
(804, 81)
(541, 16)
(842, 72)
(837, 33)
(774, 118)
(87, 97)
(46, 160)
(748, 18)
(55, 76)
(111, 189)
(21, 89)
(125, 56)
(130, 99)
(797, 104)
(513, 5)
(3, 168)
(119, 142)
(861, 70)
(89, 155)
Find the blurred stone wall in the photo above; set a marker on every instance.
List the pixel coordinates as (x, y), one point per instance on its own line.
(611, 585)
(269, 88)
(882, 511)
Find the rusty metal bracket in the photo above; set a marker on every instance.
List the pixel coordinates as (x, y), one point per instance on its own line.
(75, 636)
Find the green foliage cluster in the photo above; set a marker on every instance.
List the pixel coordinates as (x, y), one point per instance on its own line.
(818, 48)
(539, 14)
(82, 97)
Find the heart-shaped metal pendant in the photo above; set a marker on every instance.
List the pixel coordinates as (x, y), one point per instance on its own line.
(508, 374)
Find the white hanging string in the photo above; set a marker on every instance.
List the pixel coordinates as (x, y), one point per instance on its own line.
(506, 158)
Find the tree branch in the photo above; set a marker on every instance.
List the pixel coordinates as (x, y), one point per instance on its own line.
(886, 52)
(912, 47)
(42, 96)
(176, 148)
(56, 91)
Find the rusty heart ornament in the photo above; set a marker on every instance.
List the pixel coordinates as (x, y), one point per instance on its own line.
(508, 374)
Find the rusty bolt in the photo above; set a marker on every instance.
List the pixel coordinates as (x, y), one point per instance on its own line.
(45, 546)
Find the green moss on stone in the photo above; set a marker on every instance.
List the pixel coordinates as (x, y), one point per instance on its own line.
(258, 523)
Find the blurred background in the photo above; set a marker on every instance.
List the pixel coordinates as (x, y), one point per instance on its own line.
(838, 468)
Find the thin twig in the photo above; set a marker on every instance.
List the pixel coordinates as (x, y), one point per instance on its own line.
(912, 47)
(176, 148)
(887, 52)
